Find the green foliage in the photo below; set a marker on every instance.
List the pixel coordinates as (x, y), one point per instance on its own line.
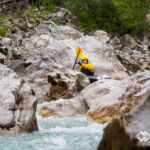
(43, 13)
(3, 30)
(50, 5)
(132, 15)
(35, 22)
(117, 16)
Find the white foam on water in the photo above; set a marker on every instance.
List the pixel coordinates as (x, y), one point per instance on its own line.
(58, 141)
(66, 133)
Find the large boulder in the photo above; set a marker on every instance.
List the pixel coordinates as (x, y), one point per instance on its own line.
(109, 99)
(59, 44)
(132, 131)
(63, 107)
(49, 80)
(17, 104)
(102, 35)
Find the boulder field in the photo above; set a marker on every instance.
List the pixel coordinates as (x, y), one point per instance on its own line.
(36, 66)
(104, 100)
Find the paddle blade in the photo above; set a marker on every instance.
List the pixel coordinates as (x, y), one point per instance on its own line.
(78, 52)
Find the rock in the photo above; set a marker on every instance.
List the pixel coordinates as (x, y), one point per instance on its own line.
(31, 20)
(127, 41)
(6, 41)
(30, 25)
(15, 21)
(115, 42)
(136, 55)
(62, 16)
(114, 98)
(59, 89)
(127, 50)
(58, 32)
(49, 80)
(63, 107)
(59, 44)
(17, 104)
(142, 48)
(131, 131)
(148, 18)
(14, 29)
(146, 40)
(147, 56)
(133, 60)
(3, 50)
(102, 35)
(2, 58)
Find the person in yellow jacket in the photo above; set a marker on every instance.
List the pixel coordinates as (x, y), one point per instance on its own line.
(86, 67)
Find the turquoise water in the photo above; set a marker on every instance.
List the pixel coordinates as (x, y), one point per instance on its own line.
(68, 133)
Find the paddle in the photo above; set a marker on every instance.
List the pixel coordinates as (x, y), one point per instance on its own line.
(78, 55)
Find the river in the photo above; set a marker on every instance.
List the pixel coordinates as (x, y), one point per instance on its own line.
(55, 133)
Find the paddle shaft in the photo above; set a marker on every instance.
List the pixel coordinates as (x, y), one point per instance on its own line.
(75, 61)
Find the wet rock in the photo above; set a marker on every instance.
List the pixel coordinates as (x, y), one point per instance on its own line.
(63, 107)
(131, 131)
(17, 104)
(114, 98)
(59, 89)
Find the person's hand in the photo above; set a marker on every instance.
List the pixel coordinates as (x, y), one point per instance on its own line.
(80, 63)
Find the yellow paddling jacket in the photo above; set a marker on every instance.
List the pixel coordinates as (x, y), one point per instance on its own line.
(87, 69)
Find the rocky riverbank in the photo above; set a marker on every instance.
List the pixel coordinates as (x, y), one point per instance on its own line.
(131, 131)
(36, 66)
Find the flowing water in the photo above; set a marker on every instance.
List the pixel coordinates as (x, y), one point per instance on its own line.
(67, 133)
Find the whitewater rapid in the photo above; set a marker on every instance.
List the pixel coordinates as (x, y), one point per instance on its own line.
(67, 133)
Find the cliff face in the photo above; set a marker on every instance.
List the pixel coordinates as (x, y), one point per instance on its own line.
(17, 104)
(128, 132)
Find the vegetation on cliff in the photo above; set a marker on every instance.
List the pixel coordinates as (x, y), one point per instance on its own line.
(114, 16)
(118, 17)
